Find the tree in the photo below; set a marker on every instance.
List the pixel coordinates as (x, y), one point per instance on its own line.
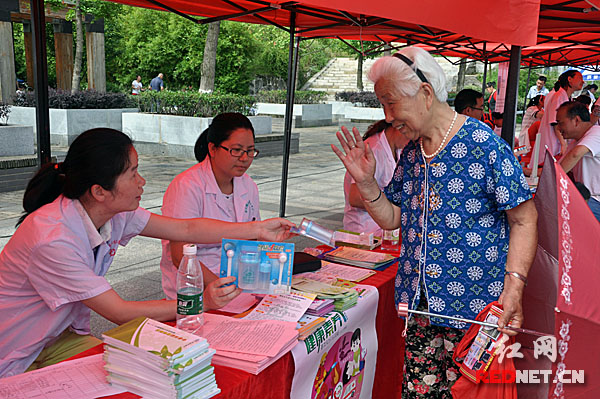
(209, 61)
(78, 48)
(460, 79)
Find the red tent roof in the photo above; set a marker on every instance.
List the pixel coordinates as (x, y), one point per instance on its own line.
(484, 19)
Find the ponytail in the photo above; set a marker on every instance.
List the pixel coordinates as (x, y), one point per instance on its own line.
(201, 147)
(376, 128)
(43, 188)
(96, 156)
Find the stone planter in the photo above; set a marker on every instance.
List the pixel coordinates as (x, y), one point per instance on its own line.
(66, 124)
(16, 140)
(305, 115)
(172, 135)
(346, 111)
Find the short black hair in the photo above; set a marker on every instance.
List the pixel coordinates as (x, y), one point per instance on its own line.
(584, 99)
(466, 98)
(592, 86)
(576, 108)
(542, 78)
(498, 115)
(491, 84)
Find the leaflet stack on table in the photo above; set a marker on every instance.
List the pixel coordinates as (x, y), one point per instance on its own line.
(155, 360)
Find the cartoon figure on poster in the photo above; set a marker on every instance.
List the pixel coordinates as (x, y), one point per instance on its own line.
(340, 373)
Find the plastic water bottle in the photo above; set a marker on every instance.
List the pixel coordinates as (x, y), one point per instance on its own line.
(190, 289)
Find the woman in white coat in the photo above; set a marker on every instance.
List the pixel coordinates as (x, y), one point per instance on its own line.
(77, 213)
(217, 188)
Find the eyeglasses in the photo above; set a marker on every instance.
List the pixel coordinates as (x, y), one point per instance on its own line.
(238, 152)
(478, 109)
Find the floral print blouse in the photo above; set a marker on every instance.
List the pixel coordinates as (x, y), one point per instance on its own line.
(455, 232)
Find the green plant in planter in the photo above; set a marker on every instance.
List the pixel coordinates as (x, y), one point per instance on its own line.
(4, 111)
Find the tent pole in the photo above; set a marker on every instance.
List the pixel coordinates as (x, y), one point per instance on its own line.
(40, 73)
(512, 91)
(526, 88)
(289, 114)
(485, 67)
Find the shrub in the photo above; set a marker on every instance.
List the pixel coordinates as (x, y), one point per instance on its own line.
(80, 100)
(366, 99)
(301, 96)
(4, 111)
(191, 103)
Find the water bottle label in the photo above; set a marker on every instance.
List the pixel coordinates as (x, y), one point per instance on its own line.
(189, 304)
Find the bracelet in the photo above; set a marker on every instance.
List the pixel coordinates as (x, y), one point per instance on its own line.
(517, 275)
(371, 201)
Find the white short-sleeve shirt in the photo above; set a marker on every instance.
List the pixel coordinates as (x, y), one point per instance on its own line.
(587, 170)
(46, 269)
(136, 87)
(194, 193)
(357, 219)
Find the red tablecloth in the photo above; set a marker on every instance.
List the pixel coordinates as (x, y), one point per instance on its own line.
(276, 381)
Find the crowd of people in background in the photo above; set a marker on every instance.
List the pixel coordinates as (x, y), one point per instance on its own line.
(573, 136)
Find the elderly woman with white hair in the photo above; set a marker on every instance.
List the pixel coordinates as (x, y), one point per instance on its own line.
(469, 226)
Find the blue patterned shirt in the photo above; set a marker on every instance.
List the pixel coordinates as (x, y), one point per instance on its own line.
(455, 238)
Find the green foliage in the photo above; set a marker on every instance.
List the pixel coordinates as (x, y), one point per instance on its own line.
(189, 103)
(81, 100)
(301, 97)
(359, 98)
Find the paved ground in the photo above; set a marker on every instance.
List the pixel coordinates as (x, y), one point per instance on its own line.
(315, 191)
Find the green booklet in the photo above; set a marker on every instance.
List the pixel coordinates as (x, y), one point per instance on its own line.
(158, 343)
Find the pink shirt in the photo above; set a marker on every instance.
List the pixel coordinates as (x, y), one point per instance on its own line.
(47, 268)
(358, 219)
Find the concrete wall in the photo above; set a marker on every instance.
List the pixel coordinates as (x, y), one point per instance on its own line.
(346, 111)
(66, 124)
(16, 140)
(178, 130)
(305, 115)
(171, 135)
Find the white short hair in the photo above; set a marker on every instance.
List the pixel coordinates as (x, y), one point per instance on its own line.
(404, 77)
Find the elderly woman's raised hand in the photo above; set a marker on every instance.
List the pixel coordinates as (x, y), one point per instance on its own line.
(356, 156)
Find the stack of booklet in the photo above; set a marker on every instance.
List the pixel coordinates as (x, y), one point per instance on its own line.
(343, 298)
(320, 307)
(358, 257)
(308, 324)
(152, 359)
(249, 345)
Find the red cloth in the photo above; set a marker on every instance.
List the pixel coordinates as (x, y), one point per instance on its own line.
(464, 388)
(276, 381)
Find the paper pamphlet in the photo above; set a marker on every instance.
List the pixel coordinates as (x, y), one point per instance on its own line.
(239, 304)
(83, 378)
(344, 272)
(288, 307)
(258, 337)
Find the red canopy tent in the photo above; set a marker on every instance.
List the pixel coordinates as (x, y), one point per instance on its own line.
(488, 19)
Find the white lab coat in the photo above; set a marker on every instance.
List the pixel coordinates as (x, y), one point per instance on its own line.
(47, 269)
(194, 193)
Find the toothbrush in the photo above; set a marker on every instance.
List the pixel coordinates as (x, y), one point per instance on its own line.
(230, 254)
